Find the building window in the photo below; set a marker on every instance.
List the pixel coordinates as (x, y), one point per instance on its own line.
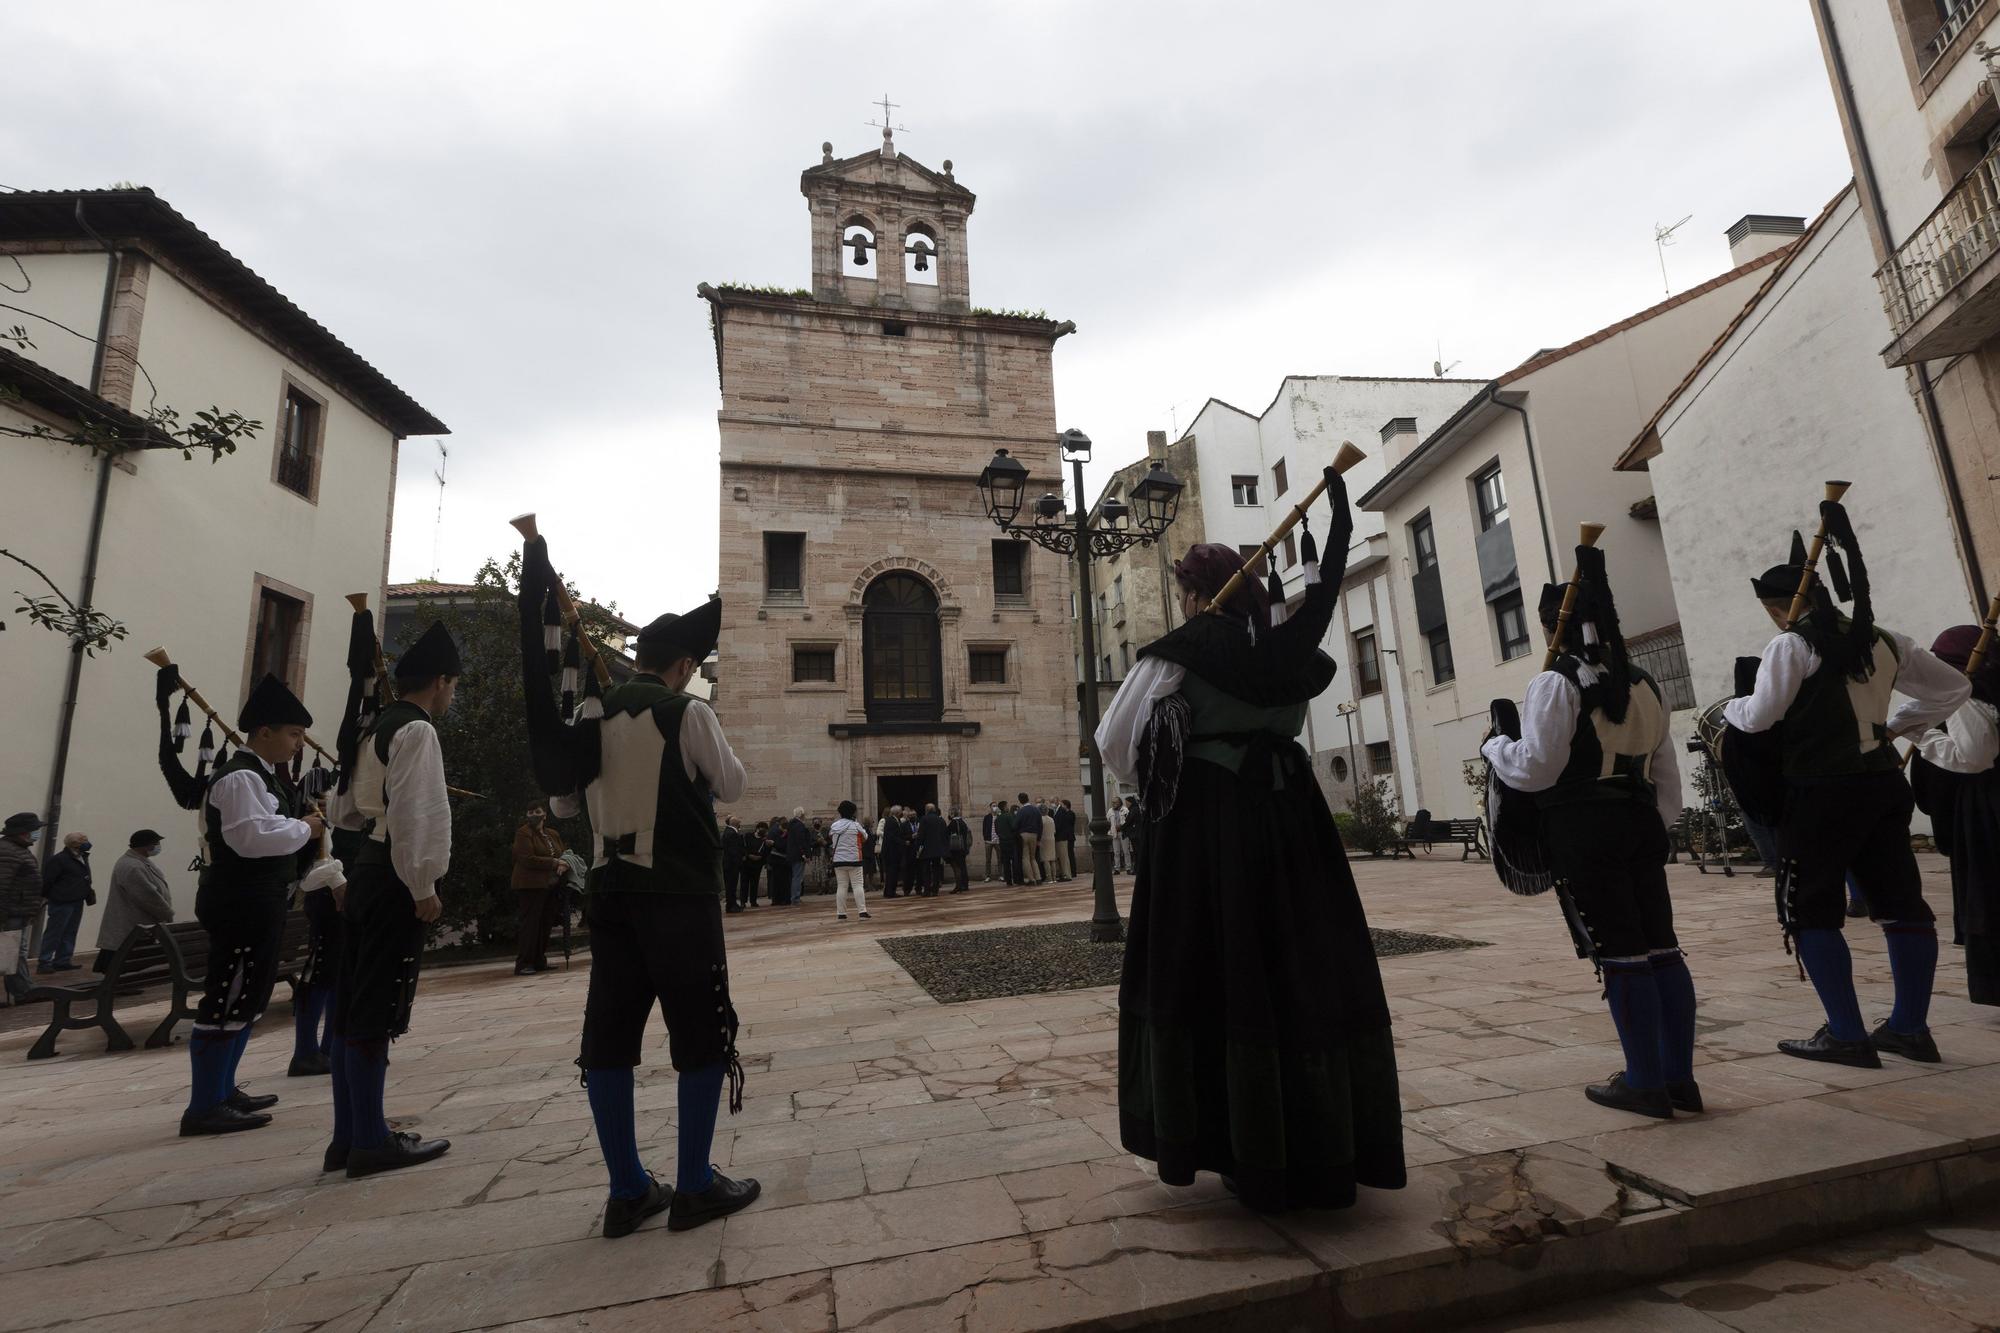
(899, 647)
(784, 566)
(1010, 570)
(1424, 542)
(1367, 663)
(989, 666)
(1105, 674)
(1118, 590)
(1491, 491)
(812, 666)
(278, 647)
(1277, 478)
(1513, 626)
(299, 419)
(1339, 769)
(1249, 554)
(1442, 669)
(1291, 551)
(1380, 762)
(1244, 490)
(1124, 659)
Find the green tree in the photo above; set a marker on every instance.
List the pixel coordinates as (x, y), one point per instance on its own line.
(1374, 812)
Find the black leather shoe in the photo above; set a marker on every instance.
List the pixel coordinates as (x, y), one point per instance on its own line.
(335, 1159)
(243, 1101)
(1685, 1096)
(222, 1118)
(623, 1216)
(311, 1066)
(1857, 909)
(1910, 1045)
(1619, 1095)
(1826, 1047)
(722, 1197)
(404, 1149)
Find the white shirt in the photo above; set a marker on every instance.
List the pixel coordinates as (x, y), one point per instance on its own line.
(252, 825)
(417, 821)
(846, 836)
(1124, 721)
(705, 753)
(1969, 743)
(1934, 689)
(1548, 725)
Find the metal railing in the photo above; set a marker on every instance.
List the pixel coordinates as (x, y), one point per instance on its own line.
(1959, 235)
(295, 471)
(1955, 22)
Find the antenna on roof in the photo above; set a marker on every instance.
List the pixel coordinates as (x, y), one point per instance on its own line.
(437, 529)
(1438, 368)
(1662, 238)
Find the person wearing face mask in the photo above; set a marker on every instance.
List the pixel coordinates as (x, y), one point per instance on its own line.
(138, 896)
(538, 867)
(66, 886)
(20, 898)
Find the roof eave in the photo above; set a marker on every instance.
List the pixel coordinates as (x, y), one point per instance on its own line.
(1432, 452)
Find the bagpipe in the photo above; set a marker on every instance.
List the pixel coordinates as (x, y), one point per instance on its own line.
(555, 640)
(1514, 818)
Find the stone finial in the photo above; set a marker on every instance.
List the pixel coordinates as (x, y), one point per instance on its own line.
(947, 168)
(826, 151)
(888, 142)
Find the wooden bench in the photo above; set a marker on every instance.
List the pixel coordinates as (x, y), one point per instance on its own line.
(1468, 832)
(177, 954)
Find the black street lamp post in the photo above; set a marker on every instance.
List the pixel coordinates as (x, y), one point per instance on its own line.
(1157, 498)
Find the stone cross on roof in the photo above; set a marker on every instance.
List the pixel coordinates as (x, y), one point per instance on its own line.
(884, 125)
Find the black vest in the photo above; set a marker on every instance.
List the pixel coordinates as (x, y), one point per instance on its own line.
(1616, 762)
(225, 867)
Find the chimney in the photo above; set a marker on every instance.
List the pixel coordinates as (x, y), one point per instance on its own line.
(1399, 435)
(1156, 444)
(1758, 234)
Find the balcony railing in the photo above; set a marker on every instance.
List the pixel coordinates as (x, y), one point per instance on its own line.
(1955, 22)
(1962, 233)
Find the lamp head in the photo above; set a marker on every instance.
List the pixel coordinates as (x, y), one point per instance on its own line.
(1075, 446)
(1157, 497)
(1001, 485)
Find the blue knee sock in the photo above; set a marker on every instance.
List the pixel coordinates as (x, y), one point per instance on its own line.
(1826, 960)
(208, 1054)
(367, 1073)
(236, 1049)
(617, 1132)
(1635, 1010)
(700, 1098)
(1913, 955)
(343, 1109)
(1676, 990)
(308, 1004)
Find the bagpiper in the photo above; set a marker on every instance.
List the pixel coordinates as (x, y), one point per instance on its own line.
(1957, 784)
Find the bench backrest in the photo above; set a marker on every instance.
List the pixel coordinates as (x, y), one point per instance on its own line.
(1462, 828)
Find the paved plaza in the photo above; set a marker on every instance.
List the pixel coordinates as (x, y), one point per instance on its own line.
(933, 1167)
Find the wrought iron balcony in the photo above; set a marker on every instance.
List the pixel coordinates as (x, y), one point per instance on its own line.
(1955, 22)
(1939, 286)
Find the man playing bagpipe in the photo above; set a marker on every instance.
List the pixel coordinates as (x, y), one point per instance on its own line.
(398, 787)
(1958, 785)
(1595, 751)
(1827, 678)
(650, 761)
(260, 840)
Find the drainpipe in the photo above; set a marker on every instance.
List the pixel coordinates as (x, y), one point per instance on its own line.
(1934, 419)
(73, 675)
(1535, 476)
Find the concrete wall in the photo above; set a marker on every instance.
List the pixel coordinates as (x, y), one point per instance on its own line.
(183, 543)
(1797, 396)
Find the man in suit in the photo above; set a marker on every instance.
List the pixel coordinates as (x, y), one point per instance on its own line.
(930, 851)
(1064, 819)
(732, 863)
(1010, 843)
(1028, 826)
(958, 846)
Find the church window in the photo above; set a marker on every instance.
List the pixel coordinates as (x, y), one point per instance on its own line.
(784, 566)
(900, 650)
(989, 666)
(1010, 570)
(812, 665)
(857, 250)
(920, 257)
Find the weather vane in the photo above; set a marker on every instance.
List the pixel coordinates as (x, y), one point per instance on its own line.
(884, 125)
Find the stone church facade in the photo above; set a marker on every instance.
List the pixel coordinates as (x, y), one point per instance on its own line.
(881, 640)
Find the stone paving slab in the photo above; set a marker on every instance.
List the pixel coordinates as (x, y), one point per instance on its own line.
(930, 1166)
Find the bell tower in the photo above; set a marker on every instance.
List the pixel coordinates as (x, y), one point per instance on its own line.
(887, 230)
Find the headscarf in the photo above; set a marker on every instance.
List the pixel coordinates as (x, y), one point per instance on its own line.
(1208, 566)
(1954, 647)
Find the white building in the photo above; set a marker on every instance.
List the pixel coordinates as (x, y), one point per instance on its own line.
(228, 565)
(1792, 394)
(1486, 509)
(1252, 470)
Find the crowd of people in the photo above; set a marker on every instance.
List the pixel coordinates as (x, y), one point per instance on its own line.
(905, 852)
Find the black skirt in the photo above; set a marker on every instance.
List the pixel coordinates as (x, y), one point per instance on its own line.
(1254, 1036)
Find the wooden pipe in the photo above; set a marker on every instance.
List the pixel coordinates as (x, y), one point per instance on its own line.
(1586, 535)
(1347, 456)
(525, 525)
(1834, 491)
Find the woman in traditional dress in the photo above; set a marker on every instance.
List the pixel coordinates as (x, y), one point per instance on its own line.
(1958, 786)
(1253, 1033)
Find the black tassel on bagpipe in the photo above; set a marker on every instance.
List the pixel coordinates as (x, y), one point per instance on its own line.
(364, 689)
(1308, 548)
(186, 787)
(1274, 589)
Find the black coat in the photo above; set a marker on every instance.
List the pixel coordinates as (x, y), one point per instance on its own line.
(798, 841)
(986, 827)
(1065, 819)
(930, 836)
(963, 830)
(66, 879)
(732, 845)
(1028, 818)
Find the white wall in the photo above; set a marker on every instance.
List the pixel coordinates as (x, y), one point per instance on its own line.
(1799, 395)
(182, 542)
(69, 290)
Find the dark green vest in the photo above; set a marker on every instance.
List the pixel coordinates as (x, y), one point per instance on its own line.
(685, 847)
(250, 872)
(392, 720)
(1217, 720)
(1838, 727)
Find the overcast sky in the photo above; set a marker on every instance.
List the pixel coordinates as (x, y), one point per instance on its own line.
(506, 207)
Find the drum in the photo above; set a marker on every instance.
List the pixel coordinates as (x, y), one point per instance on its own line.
(1751, 763)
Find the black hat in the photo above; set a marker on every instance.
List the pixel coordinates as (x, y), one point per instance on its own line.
(1779, 583)
(433, 654)
(1551, 605)
(25, 822)
(145, 837)
(271, 704)
(693, 634)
